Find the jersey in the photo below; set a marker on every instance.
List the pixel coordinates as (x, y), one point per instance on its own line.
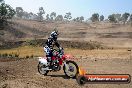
(48, 48)
(50, 43)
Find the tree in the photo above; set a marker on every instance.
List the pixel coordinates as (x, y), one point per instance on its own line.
(19, 12)
(95, 17)
(125, 17)
(81, 18)
(74, 19)
(130, 19)
(59, 18)
(112, 18)
(1, 1)
(31, 15)
(26, 15)
(53, 15)
(47, 17)
(78, 19)
(40, 14)
(6, 12)
(117, 17)
(101, 18)
(10, 11)
(68, 16)
(35, 17)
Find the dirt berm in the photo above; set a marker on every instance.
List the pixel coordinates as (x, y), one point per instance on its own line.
(66, 44)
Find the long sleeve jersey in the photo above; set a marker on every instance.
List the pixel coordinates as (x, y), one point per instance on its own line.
(50, 43)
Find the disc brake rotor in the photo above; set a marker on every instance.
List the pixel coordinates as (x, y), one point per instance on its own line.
(71, 71)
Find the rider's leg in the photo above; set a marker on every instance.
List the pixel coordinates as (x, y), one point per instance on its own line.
(49, 59)
(48, 55)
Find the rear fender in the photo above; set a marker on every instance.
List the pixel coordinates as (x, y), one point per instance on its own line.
(42, 60)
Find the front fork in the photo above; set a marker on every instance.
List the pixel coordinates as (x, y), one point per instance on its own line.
(66, 66)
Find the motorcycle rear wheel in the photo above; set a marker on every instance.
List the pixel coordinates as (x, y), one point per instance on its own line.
(72, 70)
(40, 69)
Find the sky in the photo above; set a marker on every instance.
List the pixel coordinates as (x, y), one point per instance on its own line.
(77, 7)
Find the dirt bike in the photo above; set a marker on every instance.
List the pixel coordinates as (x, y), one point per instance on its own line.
(59, 58)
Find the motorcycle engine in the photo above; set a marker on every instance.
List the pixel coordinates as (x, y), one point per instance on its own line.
(56, 66)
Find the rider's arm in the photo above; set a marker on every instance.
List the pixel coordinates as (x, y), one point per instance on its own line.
(57, 44)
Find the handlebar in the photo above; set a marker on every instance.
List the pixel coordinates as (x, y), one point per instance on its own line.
(59, 52)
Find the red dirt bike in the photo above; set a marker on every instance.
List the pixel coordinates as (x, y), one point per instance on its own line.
(59, 58)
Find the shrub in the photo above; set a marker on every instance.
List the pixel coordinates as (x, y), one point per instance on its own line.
(10, 56)
(27, 56)
(31, 56)
(4, 55)
(0, 55)
(16, 55)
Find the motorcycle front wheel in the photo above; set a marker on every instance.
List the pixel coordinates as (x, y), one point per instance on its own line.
(71, 69)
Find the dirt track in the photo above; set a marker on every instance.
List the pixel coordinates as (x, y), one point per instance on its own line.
(23, 74)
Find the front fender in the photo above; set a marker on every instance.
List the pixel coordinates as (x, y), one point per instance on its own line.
(67, 57)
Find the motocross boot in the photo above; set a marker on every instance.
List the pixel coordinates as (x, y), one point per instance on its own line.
(49, 62)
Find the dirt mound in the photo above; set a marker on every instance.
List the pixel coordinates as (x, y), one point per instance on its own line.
(109, 34)
(66, 44)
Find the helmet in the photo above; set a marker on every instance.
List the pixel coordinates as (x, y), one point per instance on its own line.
(54, 35)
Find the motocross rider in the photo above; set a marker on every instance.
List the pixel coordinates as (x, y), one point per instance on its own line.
(48, 47)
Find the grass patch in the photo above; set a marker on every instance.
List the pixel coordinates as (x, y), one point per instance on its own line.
(30, 52)
(24, 51)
